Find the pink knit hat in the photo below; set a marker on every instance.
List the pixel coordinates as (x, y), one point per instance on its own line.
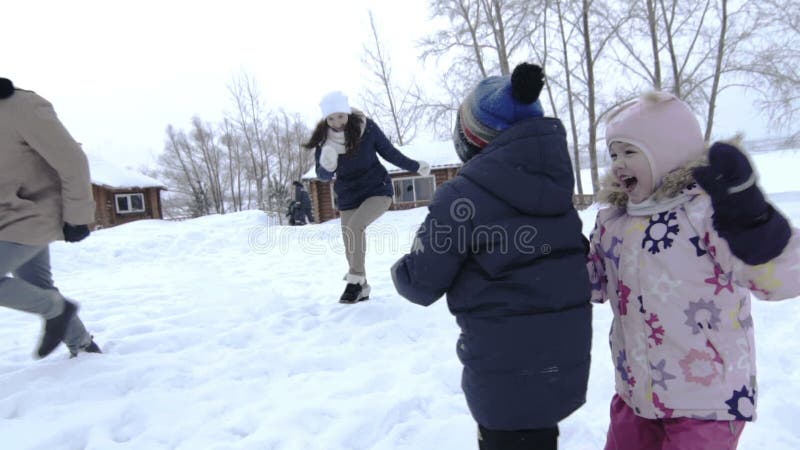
(662, 126)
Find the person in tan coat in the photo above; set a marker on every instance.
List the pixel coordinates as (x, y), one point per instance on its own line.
(45, 196)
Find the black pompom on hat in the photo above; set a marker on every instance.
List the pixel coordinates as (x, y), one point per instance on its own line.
(6, 88)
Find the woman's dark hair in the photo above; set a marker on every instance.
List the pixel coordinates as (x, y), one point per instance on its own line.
(352, 133)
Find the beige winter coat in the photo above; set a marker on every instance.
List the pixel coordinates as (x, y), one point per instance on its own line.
(44, 174)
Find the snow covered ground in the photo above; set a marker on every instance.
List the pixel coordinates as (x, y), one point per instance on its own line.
(223, 333)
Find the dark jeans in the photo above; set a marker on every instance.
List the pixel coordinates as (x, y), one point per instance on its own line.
(538, 439)
(32, 289)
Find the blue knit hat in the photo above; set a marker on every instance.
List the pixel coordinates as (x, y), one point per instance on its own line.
(496, 104)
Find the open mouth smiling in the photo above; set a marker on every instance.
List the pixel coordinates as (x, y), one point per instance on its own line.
(628, 182)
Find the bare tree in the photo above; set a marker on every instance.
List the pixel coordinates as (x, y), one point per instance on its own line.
(501, 27)
(439, 110)
(638, 45)
(543, 56)
(775, 64)
(232, 143)
(400, 107)
(589, 27)
(296, 132)
(570, 94)
(719, 59)
(481, 39)
(460, 49)
(652, 28)
(590, 59)
(465, 34)
(180, 167)
(247, 161)
(204, 140)
(512, 23)
(711, 46)
(249, 118)
(289, 160)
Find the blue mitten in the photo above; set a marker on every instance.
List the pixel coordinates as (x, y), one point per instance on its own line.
(754, 230)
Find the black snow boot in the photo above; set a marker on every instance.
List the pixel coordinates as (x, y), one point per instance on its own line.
(55, 329)
(354, 293)
(91, 347)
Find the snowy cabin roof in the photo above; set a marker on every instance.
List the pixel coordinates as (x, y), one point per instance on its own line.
(439, 154)
(105, 173)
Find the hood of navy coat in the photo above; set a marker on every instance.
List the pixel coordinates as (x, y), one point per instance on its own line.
(527, 167)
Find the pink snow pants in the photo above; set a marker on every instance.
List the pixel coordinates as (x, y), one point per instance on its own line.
(628, 431)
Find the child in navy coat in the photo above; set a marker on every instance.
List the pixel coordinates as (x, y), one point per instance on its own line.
(503, 241)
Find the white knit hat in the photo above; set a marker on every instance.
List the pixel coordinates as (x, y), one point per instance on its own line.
(334, 102)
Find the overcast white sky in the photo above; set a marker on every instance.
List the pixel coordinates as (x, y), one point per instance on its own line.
(119, 72)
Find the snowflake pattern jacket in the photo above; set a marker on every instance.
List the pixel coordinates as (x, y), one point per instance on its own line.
(682, 336)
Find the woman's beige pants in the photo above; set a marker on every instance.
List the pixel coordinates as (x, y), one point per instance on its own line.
(354, 225)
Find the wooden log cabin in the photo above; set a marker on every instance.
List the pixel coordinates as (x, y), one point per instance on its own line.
(123, 195)
(410, 189)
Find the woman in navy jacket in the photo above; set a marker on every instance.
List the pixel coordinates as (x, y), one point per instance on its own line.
(503, 241)
(347, 145)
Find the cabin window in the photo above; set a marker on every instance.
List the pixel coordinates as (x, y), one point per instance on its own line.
(129, 203)
(414, 189)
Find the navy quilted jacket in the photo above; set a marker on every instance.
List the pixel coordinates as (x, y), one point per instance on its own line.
(503, 241)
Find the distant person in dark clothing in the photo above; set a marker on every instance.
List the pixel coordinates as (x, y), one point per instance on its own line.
(45, 196)
(302, 201)
(503, 241)
(347, 145)
(294, 213)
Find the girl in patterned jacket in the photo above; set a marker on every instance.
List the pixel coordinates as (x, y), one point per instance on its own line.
(686, 239)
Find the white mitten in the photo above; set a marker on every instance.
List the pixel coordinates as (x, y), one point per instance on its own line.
(329, 157)
(424, 168)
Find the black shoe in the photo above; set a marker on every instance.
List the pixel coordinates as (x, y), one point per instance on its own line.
(55, 329)
(354, 293)
(91, 347)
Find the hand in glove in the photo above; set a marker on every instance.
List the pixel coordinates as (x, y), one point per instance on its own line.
(730, 180)
(424, 168)
(75, 233)
(329, 156)
(755, 232)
